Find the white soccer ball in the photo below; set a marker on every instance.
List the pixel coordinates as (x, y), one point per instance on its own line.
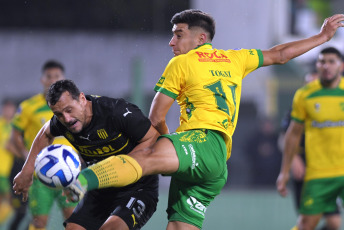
(57, 166)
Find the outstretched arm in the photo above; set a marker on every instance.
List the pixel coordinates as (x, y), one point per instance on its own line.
(23, 180)
(283, 53)
(291, 147)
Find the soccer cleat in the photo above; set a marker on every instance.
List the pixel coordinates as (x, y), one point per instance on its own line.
(75, 192)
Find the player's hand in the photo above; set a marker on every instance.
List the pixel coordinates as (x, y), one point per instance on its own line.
(331, 25)
(281, 184)
(298, 168)
(21, 184)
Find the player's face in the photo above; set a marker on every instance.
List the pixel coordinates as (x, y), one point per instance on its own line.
(51, 76)
(70, 112)
(184, 39)
(329, 67)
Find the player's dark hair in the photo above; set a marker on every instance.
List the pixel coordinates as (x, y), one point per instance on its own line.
(196, 18)
(52, 64)
(8, 101)
(332, 50)
(58, 88)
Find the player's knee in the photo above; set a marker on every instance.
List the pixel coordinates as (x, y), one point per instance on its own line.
(114, 223)
(39, 222)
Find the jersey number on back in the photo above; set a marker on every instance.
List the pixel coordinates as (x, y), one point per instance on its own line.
(220, 97)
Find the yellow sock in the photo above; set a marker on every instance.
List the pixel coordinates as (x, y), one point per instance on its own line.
(295, 228)
(115, 171)
(32, 227)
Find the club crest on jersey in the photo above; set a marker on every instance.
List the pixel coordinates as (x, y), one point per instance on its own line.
(212, 57)
(317, 107)
(102, 134)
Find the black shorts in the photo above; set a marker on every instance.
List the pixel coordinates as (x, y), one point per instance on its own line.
(134, 207)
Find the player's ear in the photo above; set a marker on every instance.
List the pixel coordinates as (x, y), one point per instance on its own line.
(82, 98)
(202, 38)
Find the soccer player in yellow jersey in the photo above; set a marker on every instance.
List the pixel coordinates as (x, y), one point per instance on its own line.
(6, 158)
(206, 83)
(318, 110)
(31, 116)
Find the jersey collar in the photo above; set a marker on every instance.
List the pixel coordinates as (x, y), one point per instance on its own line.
(205, 45)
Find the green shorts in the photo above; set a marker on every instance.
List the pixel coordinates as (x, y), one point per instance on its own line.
(320, 195)
(4, 185)
(201, 175)
(41, 199)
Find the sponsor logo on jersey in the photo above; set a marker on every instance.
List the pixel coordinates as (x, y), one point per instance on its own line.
(69, 136)
(196, 206)
(102, 133)
(126, 113)
(212, 57)
(193, 156)
(85, 138)
(327, 124)
(185, 150)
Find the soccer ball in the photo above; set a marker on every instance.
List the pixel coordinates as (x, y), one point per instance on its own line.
(57, 166)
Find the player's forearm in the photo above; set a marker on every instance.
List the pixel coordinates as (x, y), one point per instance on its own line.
(42, 140)
(290, 149)
(287, 51)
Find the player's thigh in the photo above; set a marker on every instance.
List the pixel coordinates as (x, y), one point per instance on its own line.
(188, 202)
(177, 225)
(41, 198)
(66, 206)
(136, 208)
(114, 223)
(72, 226)
(161, 158)
(201, 155)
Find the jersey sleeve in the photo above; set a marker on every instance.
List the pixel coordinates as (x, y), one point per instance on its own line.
(22, 118)
(298, 112)
(250, 59)
(173, 78)
(131, 121)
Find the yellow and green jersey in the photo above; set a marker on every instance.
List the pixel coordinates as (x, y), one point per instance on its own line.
(207, 84)
(32, 114)
(321, 110)
(6, 158)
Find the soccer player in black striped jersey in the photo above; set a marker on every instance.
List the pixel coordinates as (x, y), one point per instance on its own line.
(102, 127)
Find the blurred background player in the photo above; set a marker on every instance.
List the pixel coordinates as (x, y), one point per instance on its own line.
(298, 166)
(6, 159)
(31, 116)
(317, 110)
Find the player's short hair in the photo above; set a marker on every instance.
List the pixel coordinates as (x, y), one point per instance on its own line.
(8, 101)
(196, 18)
(332, 50)
(58, 88)
(52, 64)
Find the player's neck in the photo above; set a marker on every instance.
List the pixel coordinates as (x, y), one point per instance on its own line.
(331, 84)
(89, 112)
